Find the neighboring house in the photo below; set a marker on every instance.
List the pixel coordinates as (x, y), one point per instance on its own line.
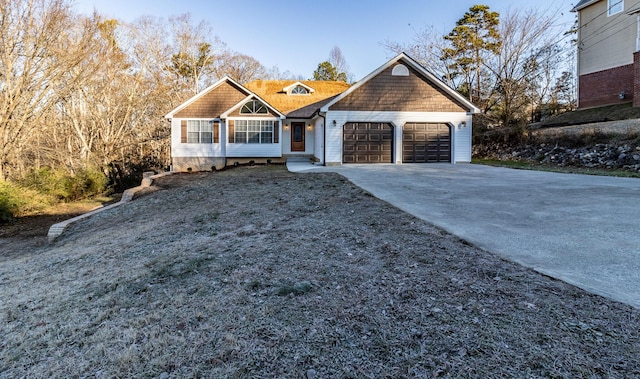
(400, 113)
(608, 58)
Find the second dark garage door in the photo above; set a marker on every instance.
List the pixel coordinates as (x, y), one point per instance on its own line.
(367, 142)
(426, 143)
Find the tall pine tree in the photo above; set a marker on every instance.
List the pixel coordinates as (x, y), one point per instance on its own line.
(474, 35)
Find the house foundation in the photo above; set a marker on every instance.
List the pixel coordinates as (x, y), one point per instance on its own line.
(608, 87)
(186, 164)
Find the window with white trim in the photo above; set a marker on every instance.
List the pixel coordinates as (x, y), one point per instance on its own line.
(615, 6)
(199, 131)
(299, 90)
(254, 107)
(253, 131)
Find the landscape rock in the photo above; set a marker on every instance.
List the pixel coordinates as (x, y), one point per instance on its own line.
(610, 156)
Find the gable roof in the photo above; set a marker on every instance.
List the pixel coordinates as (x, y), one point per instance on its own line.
(416, 66)
(583, 4)
(199, 95)
(252, 96)
(225, 79)
(273, 91)
(292, 86)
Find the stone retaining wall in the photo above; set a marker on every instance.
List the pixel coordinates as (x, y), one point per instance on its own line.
(623, 156)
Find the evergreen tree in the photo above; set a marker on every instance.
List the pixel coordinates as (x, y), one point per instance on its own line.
(475, 34)
(326, 71)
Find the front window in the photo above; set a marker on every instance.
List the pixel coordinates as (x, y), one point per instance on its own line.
(615, 6)
(253, 131)
(199, 131)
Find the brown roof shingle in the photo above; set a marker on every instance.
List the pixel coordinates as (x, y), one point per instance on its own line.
(303, 106)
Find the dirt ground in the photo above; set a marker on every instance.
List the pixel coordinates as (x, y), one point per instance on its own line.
(27, 233)
(256, 272)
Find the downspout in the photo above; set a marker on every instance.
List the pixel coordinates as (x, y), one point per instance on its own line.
(324, 138)
(578, 58)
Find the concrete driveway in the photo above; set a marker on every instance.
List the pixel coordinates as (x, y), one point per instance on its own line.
(584, 230)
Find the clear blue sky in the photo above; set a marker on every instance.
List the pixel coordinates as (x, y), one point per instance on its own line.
(296, 35)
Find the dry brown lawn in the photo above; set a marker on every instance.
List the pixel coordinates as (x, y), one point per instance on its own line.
(256, 272)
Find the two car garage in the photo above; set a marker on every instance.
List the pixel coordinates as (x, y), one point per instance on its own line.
(365, 142)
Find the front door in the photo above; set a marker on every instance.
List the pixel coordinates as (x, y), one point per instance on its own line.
(297, 136)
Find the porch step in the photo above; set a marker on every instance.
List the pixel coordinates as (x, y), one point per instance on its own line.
(298, 158)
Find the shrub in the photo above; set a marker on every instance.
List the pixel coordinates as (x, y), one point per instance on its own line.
(9, 202)
(19, 201)
(84, 184)
(45, 180)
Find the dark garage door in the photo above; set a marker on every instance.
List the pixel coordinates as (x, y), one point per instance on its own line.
(426, 143)
(367, 142)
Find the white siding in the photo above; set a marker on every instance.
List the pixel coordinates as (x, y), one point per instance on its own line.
(179, 149)
(318, 138)
(309, 139)
(461, 134)
(250, 150)
(253, 150)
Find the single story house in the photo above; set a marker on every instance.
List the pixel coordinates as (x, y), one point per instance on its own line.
(399, 113)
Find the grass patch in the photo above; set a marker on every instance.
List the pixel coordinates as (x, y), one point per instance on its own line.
(78, 207)
(592, 115)
(136, 292)
(524, 165)
(295, 289)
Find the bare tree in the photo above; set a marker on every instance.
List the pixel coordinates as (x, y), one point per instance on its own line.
(42, 47)
(118, 108)
(274, 73)
(525, 34)
(242, 68)
(195, 54)
(516, 72)
(337, 60)
(427, 47)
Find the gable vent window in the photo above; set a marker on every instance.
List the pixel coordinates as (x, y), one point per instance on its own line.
(299, 90)
(400, 70)
(254, 107)
(615, 6)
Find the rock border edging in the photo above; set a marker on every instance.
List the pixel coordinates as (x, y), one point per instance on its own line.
(57, 229)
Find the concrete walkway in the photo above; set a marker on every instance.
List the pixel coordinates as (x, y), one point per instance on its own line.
(584, 230)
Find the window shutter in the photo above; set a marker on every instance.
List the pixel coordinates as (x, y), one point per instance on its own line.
(216, 132)
(183, 131)
(232, 135)
(276, 132)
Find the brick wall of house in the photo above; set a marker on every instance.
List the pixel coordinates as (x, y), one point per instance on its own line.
(636, 79)
(604, 87)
